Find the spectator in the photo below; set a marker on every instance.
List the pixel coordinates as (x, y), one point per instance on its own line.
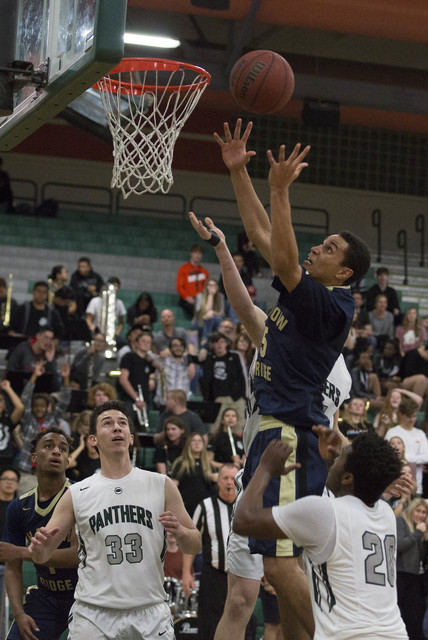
(173, 372)
(170, 447)
(415, 440)
(100, 393)
(251, 260)
(246, 349)
(86, 284)
(97, 315)
(131, 341)
(228, 328)
(191, 279)
(62, 296)
(162, 338)
(6, 194)
(388, 413)
(238, 259)
(31, 316)
(354, 419)
(143, 312)
(386, 365)
(411, 333)
(393, 305)
(209, 309)
(88, 363)
(10, 439)
(80, 426)
(220, 449)
(84, 461)
(365, 383)
(382, 321)
(137, 370)
(26, 355)
(414, 370)
(411, 534)
(223, 380)
(192, 472)
(3, 305)
(176, 405)
(212, 517)
(36, 417)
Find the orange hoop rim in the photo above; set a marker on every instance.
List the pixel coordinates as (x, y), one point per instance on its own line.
(150, 64)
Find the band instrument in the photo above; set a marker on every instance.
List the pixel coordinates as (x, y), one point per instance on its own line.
(7, 309)
(108, 319)
(141, 413)
(232, 441)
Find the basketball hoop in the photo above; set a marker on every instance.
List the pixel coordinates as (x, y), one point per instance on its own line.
(146, 102)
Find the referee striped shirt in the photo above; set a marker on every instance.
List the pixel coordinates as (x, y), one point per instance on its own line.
(212, 518)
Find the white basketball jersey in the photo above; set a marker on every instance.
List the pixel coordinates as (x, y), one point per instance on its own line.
(122, 543)
(354, 593)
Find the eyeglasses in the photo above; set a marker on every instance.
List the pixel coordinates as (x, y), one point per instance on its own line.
(9, 480)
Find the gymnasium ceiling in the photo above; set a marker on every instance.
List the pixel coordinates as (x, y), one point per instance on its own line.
(369, 54)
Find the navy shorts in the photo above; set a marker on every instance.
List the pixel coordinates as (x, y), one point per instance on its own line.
(48, 610)
(307, 480)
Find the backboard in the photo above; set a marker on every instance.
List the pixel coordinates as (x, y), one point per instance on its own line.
(72, 42)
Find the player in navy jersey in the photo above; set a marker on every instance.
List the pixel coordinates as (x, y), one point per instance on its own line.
(303, 337)
(44, 614)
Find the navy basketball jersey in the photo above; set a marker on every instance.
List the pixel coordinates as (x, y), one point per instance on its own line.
(303, 337)
(24, 516)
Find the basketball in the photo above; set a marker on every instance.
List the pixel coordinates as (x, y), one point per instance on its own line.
(262, 81)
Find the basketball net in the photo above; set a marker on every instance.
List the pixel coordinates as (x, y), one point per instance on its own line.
(147, 102)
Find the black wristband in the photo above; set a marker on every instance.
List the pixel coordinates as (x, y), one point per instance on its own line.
(214, 240)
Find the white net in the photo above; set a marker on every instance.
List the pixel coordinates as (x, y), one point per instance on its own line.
(146, 111)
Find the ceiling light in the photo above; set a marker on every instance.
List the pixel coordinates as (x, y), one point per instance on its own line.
(143, 40)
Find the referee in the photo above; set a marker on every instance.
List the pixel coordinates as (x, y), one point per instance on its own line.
(212, 518)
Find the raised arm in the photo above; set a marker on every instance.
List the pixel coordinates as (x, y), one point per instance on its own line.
(236, 157)
(47, 539)
(284, 250)
(251, 518)
(18, 406)
(251, 316)
(177, 521)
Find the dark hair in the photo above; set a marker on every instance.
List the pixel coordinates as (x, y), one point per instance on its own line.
(197, 247)
(45, 328)
(110, 405)
(10, 468)
(55, 271)
(41, 396)
(380, 271)
(84, 259)
(3, 283)
(178, 423)
(180, 340)
(40, 283)
(408, 407)
(216, 336)
(357, 256)
(374, 465)
(114, 280)
(43, 432)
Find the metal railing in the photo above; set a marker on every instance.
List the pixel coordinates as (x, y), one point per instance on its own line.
(420, 228)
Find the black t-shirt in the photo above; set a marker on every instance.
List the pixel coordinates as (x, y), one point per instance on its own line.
(351, 431)
(28, 320)
(222, 448)
(193, 487)
(7, 445)
(139, 371)
(167, 454)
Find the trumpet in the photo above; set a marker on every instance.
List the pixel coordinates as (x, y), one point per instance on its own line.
(7, 308)
(141, 413)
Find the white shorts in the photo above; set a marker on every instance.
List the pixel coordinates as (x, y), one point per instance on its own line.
(150, 622)
(239, 560)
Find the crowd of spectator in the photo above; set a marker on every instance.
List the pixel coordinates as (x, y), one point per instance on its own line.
(194, 381)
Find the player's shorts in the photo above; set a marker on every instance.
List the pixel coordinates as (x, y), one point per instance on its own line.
(88, 622)
(239, 560)
(307, 480)
(269, 607)
(49, 611)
